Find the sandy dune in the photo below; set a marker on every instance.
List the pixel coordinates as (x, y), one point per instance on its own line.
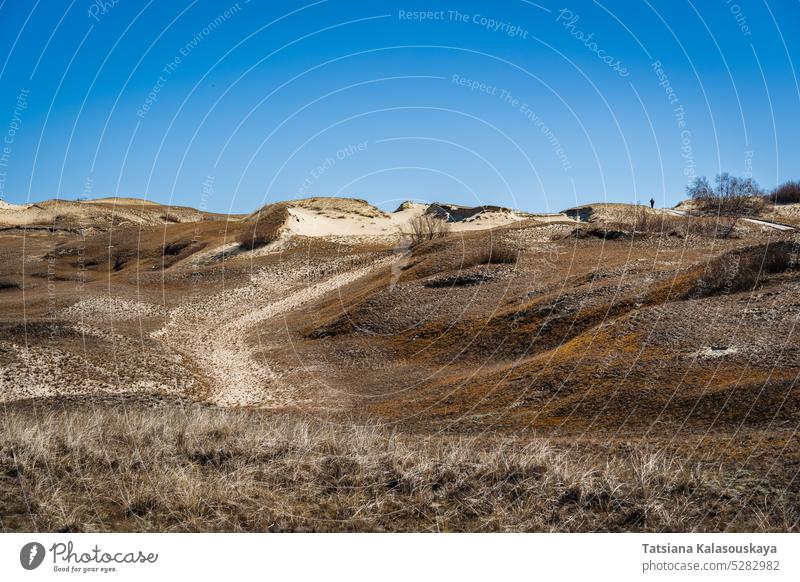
(91, 214)
(348, 218)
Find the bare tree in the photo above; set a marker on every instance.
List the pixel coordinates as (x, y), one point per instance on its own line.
(786, 193)
(426, 227)
(730, 196)
(700, 189)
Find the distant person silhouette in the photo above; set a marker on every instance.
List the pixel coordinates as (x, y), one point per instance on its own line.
(652, 203)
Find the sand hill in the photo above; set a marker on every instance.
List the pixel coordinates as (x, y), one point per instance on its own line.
(313, 217)
(342, 217)
(102, 213)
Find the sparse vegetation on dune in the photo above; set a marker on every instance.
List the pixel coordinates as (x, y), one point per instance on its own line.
(490, 253)
(263, 227)
(643, 220)
(105, 214)
(341, 206)
(730, 196)
(426, 227)
(629, 221)
(743, 269)
(131, 248)
(172, 468)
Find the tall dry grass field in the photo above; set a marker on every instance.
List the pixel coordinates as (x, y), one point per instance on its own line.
(175, 468)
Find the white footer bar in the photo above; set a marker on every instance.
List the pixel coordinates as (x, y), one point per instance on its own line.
(388, 557)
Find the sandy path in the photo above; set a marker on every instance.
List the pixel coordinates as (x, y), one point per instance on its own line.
(212, 332)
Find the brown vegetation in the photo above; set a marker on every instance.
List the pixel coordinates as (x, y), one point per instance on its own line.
(743, 269)
(145, 248)
(642, 220)
(198, 469)
(731, 205)
(730, 196)
(489, 253)
(263, 228)
(786, 193)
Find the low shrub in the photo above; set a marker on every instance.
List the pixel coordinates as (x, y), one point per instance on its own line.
(178, 250)
(708, 226)
(490, 254)
(730, 205)
(610, 232)
(744, 269)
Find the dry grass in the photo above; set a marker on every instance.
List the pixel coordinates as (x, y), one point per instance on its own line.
(646, 221)
(489, 253)
(134, 468)
(730, 205)
(716, 227)
(744, 269)
(263, 227)
(130, 247)
(339, 207)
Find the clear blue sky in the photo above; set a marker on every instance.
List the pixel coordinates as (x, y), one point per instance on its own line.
(534, 105)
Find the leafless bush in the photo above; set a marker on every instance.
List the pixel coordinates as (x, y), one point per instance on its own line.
(730, 195)
(426, 227)
(170, 468)
(645, 220)
(787, 193)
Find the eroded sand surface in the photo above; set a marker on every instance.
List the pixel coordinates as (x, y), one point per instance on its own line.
(213, 332)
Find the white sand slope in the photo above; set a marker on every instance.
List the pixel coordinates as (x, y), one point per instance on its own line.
(343, 222)
(7, 207)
